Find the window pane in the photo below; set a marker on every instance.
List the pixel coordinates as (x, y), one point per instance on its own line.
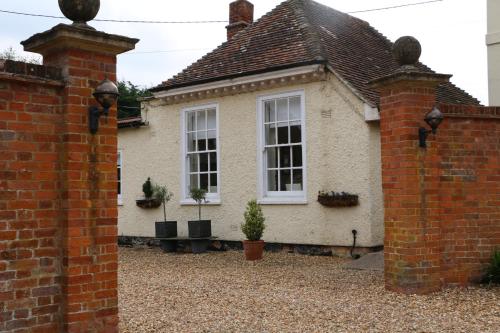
(213, 161)
(297, 180)
(297, 156)
(286, 181)
(295, 132)
(270, 111)
(193, 163)
(202, 140)
(204, 181)
(282, 105)
(193, 181)
(270, 134)
(294, 108)
(191, 117)
(201, 120)
(213, 183)
(272, 180)
(212, 141)
(283, 133)
(191, 142)
(211, 119)
(204, 162)
(272, 158)
(285, 158)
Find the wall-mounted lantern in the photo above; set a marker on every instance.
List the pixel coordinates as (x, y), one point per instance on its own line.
(106, 95)
(433, 119)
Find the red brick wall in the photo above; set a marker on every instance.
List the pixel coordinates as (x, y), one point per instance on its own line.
(468, 166)
(89, 174)
(58, 246)
(442, 212)
(30, 202)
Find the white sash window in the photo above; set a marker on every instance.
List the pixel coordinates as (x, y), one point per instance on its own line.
(282, 148)
(200, 147)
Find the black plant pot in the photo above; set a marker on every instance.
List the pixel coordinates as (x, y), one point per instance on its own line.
(166, 229)
(199, 245)
(168, 245)
(200, 229)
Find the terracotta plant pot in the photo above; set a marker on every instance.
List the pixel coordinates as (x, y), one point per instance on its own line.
(253, 249)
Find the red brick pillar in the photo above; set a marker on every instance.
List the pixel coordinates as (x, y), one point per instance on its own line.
(410, 183)
(89, 216)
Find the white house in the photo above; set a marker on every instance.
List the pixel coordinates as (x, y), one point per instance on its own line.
(493, 43)
(279, 112)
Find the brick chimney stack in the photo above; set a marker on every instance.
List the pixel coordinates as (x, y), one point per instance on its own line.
(240, 17)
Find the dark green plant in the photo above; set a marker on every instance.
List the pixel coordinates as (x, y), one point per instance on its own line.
(162, 193)
(128, 102)
(493, 272)
(147, 188)
(254, 226)
(199, 195)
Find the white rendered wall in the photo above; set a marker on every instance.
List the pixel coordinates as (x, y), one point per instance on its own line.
(343, 154)
(493, 42)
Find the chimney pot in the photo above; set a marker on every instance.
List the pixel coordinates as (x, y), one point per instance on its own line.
(240, 17)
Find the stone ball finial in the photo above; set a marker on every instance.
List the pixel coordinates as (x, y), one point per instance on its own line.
(80, 11)
(407, 51)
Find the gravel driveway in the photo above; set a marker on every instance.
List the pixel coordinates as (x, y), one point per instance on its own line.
(221, 292)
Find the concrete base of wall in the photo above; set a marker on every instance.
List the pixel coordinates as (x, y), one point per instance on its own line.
(223, 245)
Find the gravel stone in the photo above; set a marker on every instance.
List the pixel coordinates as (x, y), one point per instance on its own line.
(284, 292)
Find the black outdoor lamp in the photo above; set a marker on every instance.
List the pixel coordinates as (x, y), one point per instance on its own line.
(106, 95)
(433, 119)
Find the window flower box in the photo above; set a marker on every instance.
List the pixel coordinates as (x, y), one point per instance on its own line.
(334, 199)
(148, 203)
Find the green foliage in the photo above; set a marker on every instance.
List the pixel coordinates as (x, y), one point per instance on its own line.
(11, 54)
(128, 104)
(493, 272)
(199, 195)
(254, 226)
(161, 192)
(147, 188)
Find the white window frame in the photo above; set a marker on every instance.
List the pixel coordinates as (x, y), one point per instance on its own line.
(275, 197)
(119, 162)
(212, 198)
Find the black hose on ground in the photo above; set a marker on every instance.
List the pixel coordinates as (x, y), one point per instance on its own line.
(354, 233)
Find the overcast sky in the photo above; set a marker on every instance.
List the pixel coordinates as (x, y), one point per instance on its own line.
(452, 32)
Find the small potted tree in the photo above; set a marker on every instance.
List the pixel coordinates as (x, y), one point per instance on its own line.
(253, 228)
(149, 201)
(200, 228)
(164, 229)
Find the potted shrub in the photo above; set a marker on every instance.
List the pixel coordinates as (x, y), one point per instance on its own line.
(164, 229)
(200, 228)
(253, 228)
(149, 200)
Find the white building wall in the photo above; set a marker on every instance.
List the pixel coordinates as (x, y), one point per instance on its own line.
(343, 154)
(493, 42)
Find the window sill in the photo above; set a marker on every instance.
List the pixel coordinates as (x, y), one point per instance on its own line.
(191, 202)
(282, 201)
